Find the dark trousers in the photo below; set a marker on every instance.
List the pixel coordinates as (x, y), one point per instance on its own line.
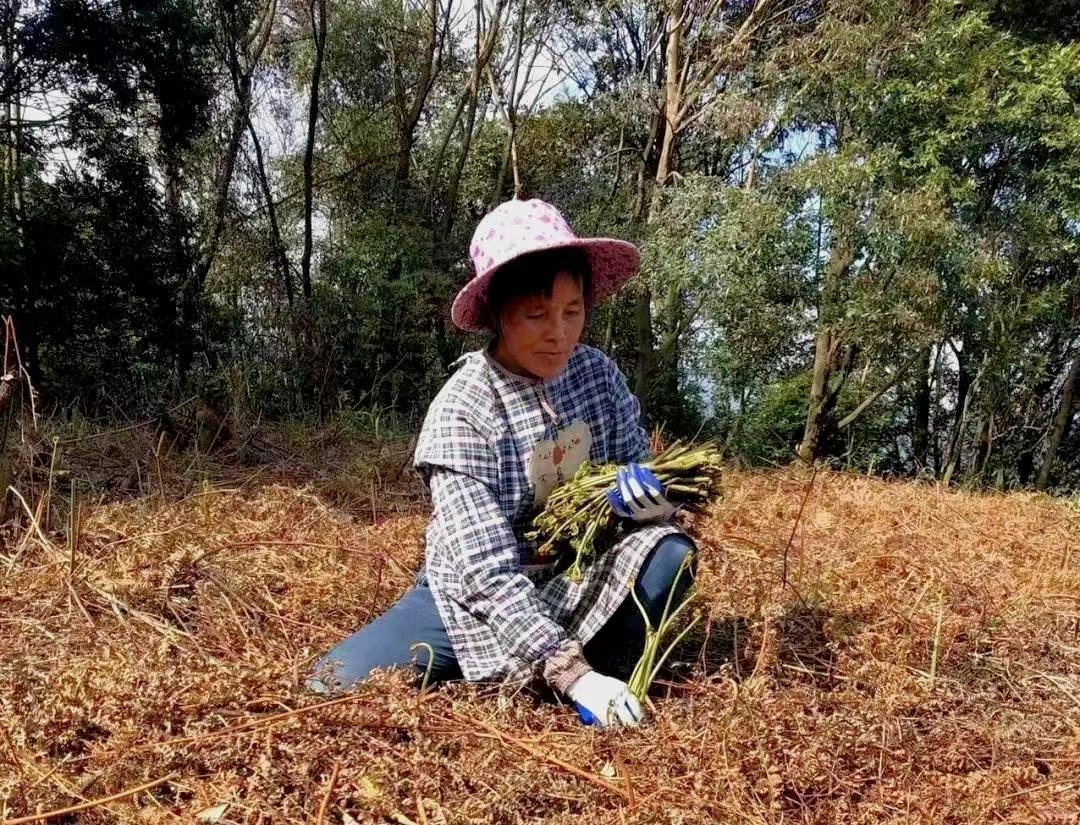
(386, 642)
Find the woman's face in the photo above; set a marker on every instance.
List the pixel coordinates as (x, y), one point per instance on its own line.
(538, 333)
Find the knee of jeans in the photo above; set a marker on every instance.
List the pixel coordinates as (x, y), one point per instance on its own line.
(657, 580)
(673, 552)
(334, 674)
(324, 680)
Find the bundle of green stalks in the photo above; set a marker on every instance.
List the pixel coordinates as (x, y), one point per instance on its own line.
(652, 659)
(578, 514)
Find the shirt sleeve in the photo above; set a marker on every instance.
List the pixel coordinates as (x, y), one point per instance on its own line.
(628, 439)
(452, 436)
(485, 550)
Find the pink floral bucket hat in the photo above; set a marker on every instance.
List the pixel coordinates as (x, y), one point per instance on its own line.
(518, 227)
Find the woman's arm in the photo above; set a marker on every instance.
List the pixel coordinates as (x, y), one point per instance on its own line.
(628, 440)
(637, 494)
(484, 549)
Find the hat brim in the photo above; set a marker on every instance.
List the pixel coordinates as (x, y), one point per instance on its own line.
(612, 262)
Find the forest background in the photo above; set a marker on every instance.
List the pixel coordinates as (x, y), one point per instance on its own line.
(860, 220)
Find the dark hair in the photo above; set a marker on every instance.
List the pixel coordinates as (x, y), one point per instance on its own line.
(534, 274)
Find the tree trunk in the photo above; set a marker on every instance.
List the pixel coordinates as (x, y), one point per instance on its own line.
(953, 462)
(401, 175)
(969, 385)
(313, 372)
(867, 402)
(956, 438)
(241, 79)
(649, 366)
(9, 170)
(459, 167)
(444, 143)
(190, 279)
(937, 390)
(1025, 465)
(982, 446)
(221, 200)
(646, 351)
(280, 255)
(811, 440)
(195, 273)
(317, 14)
(1033, 444)
(1061, 423)
(920, 435)
(500, 179)
(409, 112)
(25, 289)
(512, 99)
(673, 58)
(827, 344)
(482, 51)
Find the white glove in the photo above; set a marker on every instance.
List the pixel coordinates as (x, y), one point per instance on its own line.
(639, 495)
(604, 701)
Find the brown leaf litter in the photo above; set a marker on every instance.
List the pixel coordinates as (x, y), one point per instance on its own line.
(919, 662)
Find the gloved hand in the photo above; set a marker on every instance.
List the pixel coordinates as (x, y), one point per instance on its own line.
(604, 701)
(639, 495)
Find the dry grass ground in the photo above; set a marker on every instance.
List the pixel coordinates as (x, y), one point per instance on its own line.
(918, 662)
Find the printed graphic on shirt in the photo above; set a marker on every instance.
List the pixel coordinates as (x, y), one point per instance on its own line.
(554, 461)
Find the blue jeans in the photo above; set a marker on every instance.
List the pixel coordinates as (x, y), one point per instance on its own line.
(385, 642)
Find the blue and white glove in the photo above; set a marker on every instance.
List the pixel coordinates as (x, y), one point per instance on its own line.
(605, 701)
(639, 495)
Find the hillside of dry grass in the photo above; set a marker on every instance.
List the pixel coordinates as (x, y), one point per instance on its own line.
(873, 652)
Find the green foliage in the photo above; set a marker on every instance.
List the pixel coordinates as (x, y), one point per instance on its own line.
(899, 179)
(99, 267)
(768, 430)
(98, 250)
(374, 308)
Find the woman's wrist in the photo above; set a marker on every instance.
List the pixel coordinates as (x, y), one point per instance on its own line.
(565, 666)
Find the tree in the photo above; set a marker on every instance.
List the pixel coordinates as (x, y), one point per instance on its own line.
(1061, 422)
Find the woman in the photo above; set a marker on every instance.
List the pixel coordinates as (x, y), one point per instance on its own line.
(513, 421)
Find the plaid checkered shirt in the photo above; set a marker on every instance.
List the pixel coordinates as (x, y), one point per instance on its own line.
(505, 615)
